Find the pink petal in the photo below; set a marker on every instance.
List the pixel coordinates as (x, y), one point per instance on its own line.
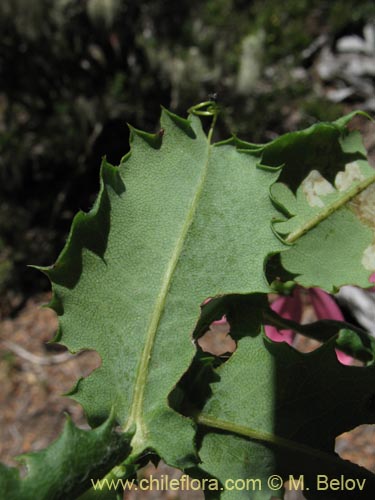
(220, 325)
(324, 305)
(289, 308)
(326, 308)
(220, 321)
(279, 335)
(345, 359)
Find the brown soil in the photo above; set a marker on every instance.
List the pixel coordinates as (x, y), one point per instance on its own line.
(31, 403)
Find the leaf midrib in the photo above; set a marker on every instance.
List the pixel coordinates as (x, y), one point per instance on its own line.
(265, 437)
(329, 209)
(135, 417)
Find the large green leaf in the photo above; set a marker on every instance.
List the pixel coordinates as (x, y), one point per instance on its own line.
(274, 410)
(178, 221)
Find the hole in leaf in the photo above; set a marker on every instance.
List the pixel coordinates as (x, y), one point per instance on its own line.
(274, 271)
(315, 187)
(213, 348)
(217, 339)
(305, 344)
(358, 446)
(363, 206)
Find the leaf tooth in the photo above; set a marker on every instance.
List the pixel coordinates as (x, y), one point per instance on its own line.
(241, 145)
(58, 335)
(74, 389)
(111, 178)
(153, 140)
(231, 141)
(56, 304)
(125, 158)
(247, 147)
(183, 124)
(68, 267)
(43, 269)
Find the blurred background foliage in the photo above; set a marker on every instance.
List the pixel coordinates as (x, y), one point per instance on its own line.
(73, 72)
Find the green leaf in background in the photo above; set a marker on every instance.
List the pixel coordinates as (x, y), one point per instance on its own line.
(66, 467)
(327, 147)
(331, 227)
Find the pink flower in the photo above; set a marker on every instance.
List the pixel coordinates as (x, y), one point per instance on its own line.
(291, 307)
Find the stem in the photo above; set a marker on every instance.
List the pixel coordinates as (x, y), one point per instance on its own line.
(206, 108)
(210, 132)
